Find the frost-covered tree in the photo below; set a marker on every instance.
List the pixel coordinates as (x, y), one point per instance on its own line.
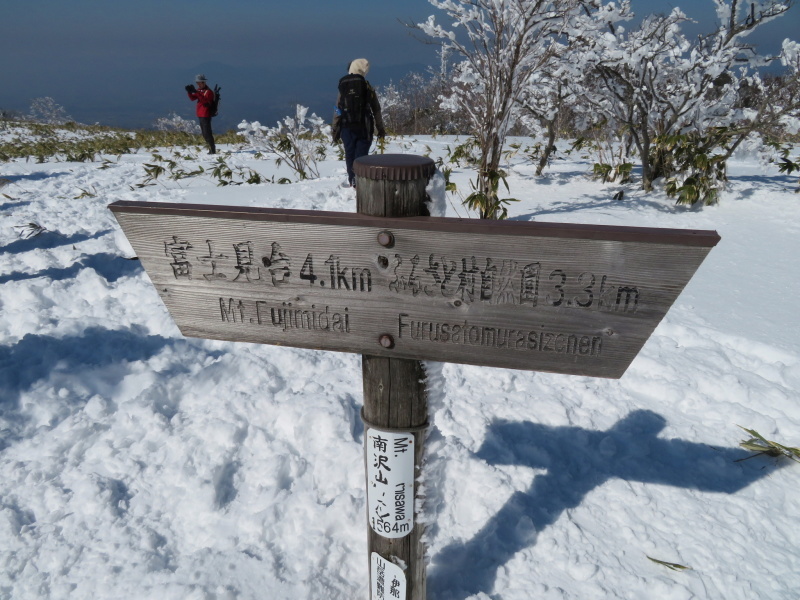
(407, 107)
(549, 105)
(551, 102)
(175, 122)
(674, 96)
(412, 106)
(392, 106)
(48, 111)
(769, 105)
(499, 46)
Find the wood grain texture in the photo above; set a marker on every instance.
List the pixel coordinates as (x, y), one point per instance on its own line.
(581, 302)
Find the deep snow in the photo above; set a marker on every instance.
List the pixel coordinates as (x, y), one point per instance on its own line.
(135, 463)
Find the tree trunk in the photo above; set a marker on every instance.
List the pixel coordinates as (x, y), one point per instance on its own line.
(549, 149)
(644, 152)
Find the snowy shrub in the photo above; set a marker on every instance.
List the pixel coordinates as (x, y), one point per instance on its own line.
(174, 122)
(297, 141)
(46, 110)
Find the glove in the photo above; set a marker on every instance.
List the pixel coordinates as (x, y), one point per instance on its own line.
(381, 133)
(191, 89)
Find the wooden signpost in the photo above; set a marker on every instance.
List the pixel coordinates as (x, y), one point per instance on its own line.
(398, 288)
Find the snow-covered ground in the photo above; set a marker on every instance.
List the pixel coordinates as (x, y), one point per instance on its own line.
(135, 463)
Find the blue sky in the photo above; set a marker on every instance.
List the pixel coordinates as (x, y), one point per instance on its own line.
(126, 62)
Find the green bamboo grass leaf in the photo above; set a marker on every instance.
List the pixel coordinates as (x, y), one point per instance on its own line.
(669, 565)
(761, 445)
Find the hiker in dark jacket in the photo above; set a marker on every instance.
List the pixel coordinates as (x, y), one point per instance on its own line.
(357, 114)
(205, 98)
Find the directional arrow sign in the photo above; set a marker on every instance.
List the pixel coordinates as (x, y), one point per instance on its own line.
(576, 299)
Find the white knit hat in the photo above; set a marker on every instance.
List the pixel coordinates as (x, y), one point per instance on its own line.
(200, 78)
(359, 66)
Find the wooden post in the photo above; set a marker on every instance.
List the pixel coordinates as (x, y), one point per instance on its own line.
(395, 402)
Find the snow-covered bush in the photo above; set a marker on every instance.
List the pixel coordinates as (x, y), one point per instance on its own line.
(297, 141)
(46, 110)
(174, 122)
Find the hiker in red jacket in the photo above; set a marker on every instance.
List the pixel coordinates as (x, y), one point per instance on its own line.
(204, 97)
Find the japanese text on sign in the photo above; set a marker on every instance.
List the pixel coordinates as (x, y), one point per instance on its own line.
(390, 476)
(388, 580)
(488, 280)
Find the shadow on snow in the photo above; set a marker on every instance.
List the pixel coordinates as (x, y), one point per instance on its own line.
(109, 266)
(595, 201)
(49, 240)
(36, 357)
(36, 176)
(14, 204)
(577, 461)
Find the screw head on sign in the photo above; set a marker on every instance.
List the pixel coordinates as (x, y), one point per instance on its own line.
(386, 341)
(386, 239)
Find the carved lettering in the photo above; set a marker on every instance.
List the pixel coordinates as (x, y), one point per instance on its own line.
(338, 273)
(244, 262)
(178, 251)
(229, 312)
(530, 284)
(402, 281)
(362, 280)
(502, 338)
(213, 259)
(627, 299)
(278, 264)
(466, 279)
(285, 316)
(503, 282)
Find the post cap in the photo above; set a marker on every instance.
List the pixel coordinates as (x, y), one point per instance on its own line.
(394, 167)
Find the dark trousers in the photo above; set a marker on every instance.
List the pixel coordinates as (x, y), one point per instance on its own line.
(208, 136)
(356, 145)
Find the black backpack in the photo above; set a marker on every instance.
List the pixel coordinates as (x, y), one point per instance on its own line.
(353, 93)
(215, 104)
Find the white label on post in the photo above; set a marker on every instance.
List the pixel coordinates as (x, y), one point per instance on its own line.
(388, 580)
(390, 482)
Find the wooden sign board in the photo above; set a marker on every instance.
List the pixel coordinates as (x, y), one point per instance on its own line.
(563, 298)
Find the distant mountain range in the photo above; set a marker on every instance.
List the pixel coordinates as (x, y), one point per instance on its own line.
(253, 94)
